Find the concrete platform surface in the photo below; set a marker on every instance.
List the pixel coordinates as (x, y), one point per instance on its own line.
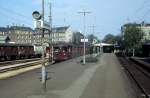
(70, 79)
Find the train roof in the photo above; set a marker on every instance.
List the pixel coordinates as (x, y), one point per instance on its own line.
(70, 44)
(14, 44)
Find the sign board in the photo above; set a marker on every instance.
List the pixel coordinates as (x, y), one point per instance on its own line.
(84, 40)
(39, 24)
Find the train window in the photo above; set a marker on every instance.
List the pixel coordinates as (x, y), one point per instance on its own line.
(64, 49)
(69, 50)
(56, 49)
(1, 48)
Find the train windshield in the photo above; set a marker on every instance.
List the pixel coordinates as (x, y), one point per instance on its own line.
(56, 50)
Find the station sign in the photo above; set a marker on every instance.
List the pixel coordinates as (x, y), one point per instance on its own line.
(84, 40)
(40, 24)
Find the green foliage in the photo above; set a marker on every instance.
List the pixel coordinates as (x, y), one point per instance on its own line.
(132, 36)
(118, 39)
(91, 37)
(109, 38)
(112, 39)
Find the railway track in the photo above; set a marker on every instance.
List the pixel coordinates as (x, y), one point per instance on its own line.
(7, 63)
(21, 65)
(140, 74)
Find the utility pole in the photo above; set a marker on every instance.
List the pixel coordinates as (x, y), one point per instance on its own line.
(84, 27)
(43, 58)
(93, 29)
(40, 17)
(50, 33)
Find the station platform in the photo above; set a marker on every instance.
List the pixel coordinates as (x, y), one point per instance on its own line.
(70, 79)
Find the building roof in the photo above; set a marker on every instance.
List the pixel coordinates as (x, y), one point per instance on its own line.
(22, 28)
(137, 24)
(54, 30)
(3, 29)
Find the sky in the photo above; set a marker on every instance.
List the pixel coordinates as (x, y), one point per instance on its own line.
(106, 15)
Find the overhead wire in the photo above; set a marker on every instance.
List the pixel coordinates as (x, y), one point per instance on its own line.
(13, 19)
(140, 8)
(14, 13)
(146, 13)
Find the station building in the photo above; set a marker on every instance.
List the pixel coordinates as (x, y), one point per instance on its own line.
(104, 48)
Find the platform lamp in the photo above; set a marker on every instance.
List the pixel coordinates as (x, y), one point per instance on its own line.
(38, 16)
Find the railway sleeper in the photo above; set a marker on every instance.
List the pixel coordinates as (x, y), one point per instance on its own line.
(136, 73)
(18, 67)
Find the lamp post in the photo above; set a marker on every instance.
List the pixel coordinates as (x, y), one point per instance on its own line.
(43, 64)
(40, 17)
(50, 32)
(84, 29)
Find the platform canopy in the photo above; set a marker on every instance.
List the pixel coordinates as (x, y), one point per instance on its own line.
(103, 44)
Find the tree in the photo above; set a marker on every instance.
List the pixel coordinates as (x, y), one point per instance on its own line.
(91, 38)
(118, 40)
(132, 37)
(109, 38)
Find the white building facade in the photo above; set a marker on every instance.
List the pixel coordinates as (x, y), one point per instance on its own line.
(144, 27)
(58, 35)
(62, 34)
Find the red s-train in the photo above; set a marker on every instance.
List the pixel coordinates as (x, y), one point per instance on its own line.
(67, 51)
(61, 52)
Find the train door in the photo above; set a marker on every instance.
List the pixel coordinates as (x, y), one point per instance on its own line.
(64, 53)
(1, 52)
(69, 51)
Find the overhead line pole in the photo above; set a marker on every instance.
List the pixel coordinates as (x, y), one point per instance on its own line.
(50, 33)
(43, 58)
(93, 30)
(84, 27)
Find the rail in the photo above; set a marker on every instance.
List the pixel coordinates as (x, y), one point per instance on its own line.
(19, 66)
(140, 74)
(6, 63)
